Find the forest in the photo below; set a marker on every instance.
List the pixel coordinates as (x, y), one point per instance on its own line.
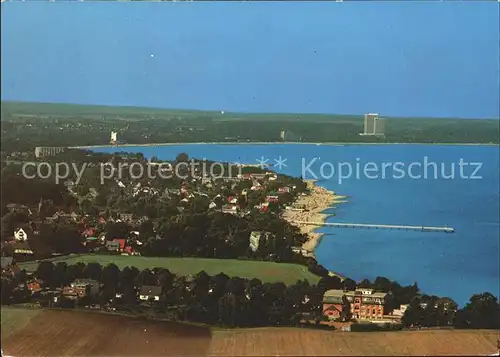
(28, 125)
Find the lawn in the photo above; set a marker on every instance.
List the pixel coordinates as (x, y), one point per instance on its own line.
(265, 271)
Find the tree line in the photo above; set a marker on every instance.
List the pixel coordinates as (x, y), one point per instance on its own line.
(218, 300)
(22, 132)
(239, 302)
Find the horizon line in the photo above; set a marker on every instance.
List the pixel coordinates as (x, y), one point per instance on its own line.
(222, 112)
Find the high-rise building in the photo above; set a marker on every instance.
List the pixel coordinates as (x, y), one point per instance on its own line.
(370, 123)
(379, 128)
(373, 125)
(283, 135)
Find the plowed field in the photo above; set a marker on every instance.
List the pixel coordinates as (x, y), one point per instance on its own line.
(76, 333)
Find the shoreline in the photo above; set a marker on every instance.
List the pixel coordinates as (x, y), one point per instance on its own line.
(315, 204)
(273, 143)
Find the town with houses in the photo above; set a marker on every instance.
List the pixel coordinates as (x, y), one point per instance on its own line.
(79, 244)
(263, 193)
(364, 304)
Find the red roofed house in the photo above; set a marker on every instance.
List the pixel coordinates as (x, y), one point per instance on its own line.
(364, 303)
(232, 199)
(122, 243)
(34, 285)
(130, 251)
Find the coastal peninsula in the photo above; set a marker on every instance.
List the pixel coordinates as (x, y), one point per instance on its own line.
(310, 207)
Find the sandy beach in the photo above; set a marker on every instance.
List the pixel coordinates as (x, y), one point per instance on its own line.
(273, 143)
(314, 204)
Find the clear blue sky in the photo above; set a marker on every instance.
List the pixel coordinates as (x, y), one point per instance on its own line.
(394, 58)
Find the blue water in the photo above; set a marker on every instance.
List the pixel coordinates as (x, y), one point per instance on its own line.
(455, 265)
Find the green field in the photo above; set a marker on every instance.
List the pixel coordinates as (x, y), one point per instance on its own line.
(265, 271)
(76, 110)
(14, 319)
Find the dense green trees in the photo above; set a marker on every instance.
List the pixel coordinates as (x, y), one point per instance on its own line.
(482, 311)
(17, 189)
(218, 299)
(25, 127)
(346, 314)
(414, 314)
(238, 302)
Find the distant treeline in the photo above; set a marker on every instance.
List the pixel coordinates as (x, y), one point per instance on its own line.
(27, 125)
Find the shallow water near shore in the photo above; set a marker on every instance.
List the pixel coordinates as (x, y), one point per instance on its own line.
(448, 264)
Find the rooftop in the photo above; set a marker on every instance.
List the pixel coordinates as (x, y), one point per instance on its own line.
(85, 281)
(150, 290)
(334, 293)
(340, 293)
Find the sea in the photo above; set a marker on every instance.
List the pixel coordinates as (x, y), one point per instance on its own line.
(453, 186)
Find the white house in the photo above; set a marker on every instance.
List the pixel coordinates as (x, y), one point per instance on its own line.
(20, 235)
(254, 241)
(401, 311)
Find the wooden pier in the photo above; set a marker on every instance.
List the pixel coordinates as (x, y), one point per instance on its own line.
(379, 226)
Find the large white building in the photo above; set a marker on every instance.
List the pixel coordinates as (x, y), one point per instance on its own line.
(48, 151)
(379, 127)
(373, 125)
(112, 140)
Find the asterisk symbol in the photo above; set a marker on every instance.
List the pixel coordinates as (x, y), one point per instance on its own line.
(280, 163)
(262, 161)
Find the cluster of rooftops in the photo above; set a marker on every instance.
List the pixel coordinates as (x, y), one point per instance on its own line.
(334, 296)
